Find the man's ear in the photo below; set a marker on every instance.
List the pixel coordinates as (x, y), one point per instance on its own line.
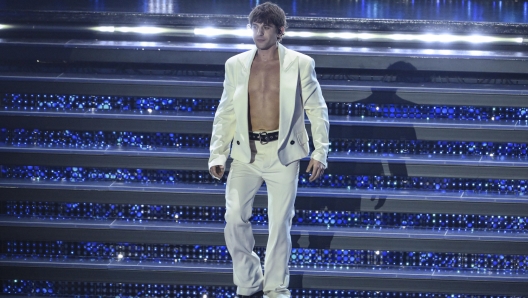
(282, 30)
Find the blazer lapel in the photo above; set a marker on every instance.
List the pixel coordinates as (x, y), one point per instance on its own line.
(289, 75)
(240, 98)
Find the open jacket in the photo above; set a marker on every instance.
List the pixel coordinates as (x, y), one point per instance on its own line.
(299, 93)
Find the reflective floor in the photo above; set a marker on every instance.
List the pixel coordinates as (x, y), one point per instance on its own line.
(511, 11)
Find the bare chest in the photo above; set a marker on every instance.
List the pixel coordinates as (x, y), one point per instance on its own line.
(264, 95)
(264, 80)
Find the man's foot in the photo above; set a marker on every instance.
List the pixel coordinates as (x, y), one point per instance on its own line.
(258, 294)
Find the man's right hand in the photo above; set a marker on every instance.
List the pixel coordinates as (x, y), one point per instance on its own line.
(217, 172)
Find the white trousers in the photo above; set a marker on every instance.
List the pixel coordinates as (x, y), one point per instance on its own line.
(243, 182)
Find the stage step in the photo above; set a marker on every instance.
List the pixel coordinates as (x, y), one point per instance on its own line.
(364, 91)
(340, 163)
(345, 127)
(413, 17)
(303, 236)
(345, 57)
(335, 199)
(365, 278)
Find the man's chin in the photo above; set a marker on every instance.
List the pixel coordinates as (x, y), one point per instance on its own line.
(264, 47)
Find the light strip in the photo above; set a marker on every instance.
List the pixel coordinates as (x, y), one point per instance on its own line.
(447, 38)
(295, 34)
(388, 37)
(212, 32)
(141, 30)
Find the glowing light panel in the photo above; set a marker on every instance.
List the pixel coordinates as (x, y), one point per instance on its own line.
(141, 30)
(420, 37)
(358, 36)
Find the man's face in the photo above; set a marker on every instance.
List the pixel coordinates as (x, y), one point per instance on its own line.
(264, 35)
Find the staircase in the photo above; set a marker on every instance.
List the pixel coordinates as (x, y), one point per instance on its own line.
(104, 189)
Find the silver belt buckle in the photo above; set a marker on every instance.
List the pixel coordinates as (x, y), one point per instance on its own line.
(265, 135)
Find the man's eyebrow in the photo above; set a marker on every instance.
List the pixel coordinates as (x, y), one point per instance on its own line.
(263, 24)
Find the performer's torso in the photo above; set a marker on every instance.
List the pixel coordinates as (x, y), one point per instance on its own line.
(263, 96)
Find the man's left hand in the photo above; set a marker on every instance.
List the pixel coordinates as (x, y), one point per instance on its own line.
(317, 169)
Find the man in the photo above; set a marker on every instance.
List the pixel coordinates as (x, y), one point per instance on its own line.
(267, 90)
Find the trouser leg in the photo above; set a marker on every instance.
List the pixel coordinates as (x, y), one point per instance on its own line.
(243, 182)
(281, 182)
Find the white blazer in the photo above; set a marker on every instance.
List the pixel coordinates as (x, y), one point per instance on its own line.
(299, 92)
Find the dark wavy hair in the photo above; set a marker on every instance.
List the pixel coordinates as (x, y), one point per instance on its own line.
(269, 13)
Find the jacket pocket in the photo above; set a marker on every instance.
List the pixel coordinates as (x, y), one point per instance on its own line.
(302, 137)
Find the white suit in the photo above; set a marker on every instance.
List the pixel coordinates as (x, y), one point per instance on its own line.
(276, 163)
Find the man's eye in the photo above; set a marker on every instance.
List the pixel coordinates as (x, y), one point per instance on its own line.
(266, 28)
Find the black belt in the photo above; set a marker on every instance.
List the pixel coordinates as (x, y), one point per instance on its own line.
(264, 137)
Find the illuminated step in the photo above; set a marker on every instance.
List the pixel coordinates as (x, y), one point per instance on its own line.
(208, 233)
(336, 199)
(474, 281)
(485, 61)
(300, 257)
(425, 129)
(340, 163)
(124, 289)
(211, 87)
(142, 121)
(202, 14)
(378, 104)
(348, 127)
(102, 84)
(89, 139)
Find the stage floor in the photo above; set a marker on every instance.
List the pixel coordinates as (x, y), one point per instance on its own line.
(452, 10)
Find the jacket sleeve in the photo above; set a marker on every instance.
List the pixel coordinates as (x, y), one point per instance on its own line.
(316, 110)
(224, 121)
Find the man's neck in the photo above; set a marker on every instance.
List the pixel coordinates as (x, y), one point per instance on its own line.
(268, 54)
